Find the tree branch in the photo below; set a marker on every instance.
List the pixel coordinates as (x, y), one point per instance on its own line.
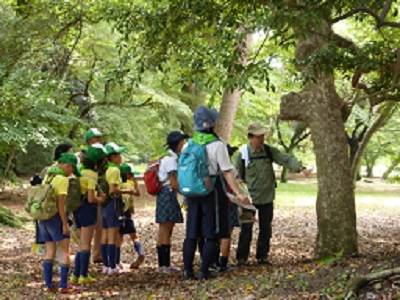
(66, 27)
(393, 88)
(386, 9)
(281, 142)
(395, 79)
(380, 19)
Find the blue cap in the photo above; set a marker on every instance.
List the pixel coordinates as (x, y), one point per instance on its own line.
(205, 118)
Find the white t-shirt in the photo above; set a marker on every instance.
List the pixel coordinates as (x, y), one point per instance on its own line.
(168, 165)
(218, 155)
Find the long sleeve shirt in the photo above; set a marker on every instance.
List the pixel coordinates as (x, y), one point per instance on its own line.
(258, 174)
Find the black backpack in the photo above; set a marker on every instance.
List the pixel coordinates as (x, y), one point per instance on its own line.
(269, 156)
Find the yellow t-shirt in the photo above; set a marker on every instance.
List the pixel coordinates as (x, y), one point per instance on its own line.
(60, 184)
(88, 180)
(113, 176)
(128, 199)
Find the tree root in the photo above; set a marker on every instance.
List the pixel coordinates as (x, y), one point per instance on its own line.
(358, 282)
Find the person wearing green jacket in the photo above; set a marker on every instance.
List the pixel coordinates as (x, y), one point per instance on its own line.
(254, 165)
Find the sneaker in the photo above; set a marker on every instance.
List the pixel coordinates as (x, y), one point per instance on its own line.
(214, 267)
(264, 261)
(172, 269)
(105, 270)
(86, 280)
(162, 270)
(206, 276)
(70, 289)
(223, 269)
(139, 261)
(189, 275)
(73, 279)
(241, 262)
(115, 271)
(50, 290)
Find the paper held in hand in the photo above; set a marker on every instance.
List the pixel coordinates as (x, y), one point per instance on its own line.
(235, 199)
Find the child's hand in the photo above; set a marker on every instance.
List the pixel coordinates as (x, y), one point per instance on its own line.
(101, 198)
(66, 230)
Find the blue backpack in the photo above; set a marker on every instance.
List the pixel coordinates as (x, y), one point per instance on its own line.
(193, 176)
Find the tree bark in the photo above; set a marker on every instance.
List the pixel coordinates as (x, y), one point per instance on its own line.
(321, 108)
(11, 155)
(227, 112)
(230, 102)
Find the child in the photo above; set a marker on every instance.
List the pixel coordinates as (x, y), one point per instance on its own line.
(127, 226)
(86, 215)
(56, 229)
(168, 211)
(109, 211)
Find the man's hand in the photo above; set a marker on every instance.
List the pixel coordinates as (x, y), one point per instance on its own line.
(239, 180)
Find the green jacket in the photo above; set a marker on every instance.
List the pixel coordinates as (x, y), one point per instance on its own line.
(259, 176)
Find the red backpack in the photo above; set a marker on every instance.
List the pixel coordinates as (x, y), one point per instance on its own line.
(151, 179)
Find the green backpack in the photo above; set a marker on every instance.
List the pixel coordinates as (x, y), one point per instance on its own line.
(74, 198)
(42, 201)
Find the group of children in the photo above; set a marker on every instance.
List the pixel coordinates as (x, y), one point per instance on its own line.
(104, 181)
(108, 183)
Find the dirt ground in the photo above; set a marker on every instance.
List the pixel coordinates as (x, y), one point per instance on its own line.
(294, 275)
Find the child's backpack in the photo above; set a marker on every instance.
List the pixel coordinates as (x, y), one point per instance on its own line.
(151, 178)
(193, 175)
(74, 199)
(41, 203)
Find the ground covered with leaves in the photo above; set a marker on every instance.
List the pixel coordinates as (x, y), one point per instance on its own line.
(294, 274)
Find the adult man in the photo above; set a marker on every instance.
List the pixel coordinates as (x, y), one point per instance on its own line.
(254, 165)
(94, 136)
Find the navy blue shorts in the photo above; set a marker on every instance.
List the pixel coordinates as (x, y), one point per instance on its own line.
(127, 225)
(86, 215)
(51, 230)
(109, 215)
(201, 215)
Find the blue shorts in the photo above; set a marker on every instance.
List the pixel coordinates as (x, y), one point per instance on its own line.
(109, 215)
(86, 215)
(52, 230)
(127, 225)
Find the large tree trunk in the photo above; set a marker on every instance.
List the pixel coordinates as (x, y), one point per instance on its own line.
(228, 109)
(230, 101)
(321, 108)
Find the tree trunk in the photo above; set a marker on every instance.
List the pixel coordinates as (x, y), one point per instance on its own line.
(227, 112)
(230, 101)
(394, 164)
(379, 122)
(321, 108)
(11, 155)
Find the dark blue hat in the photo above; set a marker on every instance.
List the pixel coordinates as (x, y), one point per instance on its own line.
(176, 136)
(205, 118)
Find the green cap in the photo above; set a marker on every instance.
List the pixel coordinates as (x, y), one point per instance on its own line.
(127, 168)
(96, 152)
(114, 148)
(70, 158)
(92, 132)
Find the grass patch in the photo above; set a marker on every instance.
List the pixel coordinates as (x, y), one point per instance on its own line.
(371, 196)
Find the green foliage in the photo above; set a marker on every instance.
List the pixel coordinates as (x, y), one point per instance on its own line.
(8, 218)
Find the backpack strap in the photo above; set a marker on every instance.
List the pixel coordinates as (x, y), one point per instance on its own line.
(268, 155)
(50, 177)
